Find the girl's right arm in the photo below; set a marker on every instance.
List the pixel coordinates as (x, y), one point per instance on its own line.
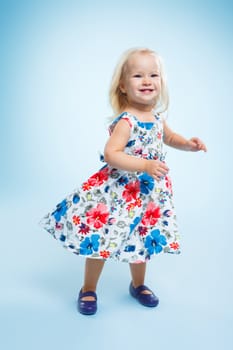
(115, 156)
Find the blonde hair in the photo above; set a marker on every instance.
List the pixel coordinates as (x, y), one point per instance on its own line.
(118, 100)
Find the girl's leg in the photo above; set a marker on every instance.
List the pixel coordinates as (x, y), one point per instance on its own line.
(93, 269)
(138, 272)
(137, 288)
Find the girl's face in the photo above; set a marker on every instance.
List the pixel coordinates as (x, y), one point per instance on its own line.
(142, 81)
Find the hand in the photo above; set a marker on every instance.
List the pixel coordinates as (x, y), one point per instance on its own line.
(156, 169)
(195, 145)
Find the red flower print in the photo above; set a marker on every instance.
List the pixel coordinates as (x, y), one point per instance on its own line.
(151, 215)
(128, 121)
(86, 186)
(76, 220)
(59, 226)
(83, 228)
(138, 202)
(168, 183)
(98, 216)
(99, 178)
(175, 245)
(130, 206)
(131, 191)
(142, 230)
(138, 151)
(105, 254)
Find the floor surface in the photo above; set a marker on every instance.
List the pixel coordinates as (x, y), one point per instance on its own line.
(40, 282)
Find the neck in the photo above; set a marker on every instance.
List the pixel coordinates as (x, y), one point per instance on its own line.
(141, 111)
(146, 108)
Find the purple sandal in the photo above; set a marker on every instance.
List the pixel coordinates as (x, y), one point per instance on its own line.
(87, 307)
(149, 300)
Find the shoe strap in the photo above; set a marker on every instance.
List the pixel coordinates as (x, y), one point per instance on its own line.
(88, 294)
(141, 288)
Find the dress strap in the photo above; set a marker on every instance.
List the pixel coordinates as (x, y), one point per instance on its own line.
(123, 116)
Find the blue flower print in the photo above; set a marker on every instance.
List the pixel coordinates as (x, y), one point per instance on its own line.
(130, 143)
(76, 198)
(60, 211)
(167, 213)
(154, 242)
(129, 248)
(146, 183)
(106, 189)
(147, 125)
(134, 223)
(101, 158)
(89, 244)
(62, 238)
(141, 138)
(123, 180)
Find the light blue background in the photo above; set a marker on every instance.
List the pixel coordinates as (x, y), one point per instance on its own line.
(56, 62)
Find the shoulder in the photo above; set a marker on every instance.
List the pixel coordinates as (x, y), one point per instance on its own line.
(121, 121)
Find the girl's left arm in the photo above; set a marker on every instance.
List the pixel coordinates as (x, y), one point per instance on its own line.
(177, 141)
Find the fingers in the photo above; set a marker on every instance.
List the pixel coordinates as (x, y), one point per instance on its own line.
(156, 169)
(160, 171)
(203, 147)
(198, 145)
(158, 178)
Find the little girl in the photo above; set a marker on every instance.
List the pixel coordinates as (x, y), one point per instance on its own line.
(125, 210)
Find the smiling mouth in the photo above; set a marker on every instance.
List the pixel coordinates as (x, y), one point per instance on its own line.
(146, 90)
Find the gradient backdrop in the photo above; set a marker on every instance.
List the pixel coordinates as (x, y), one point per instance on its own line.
(56, 62)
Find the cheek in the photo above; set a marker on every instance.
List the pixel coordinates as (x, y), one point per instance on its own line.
(158, 85)
(129, 89)
(125, 87)
(133, 86)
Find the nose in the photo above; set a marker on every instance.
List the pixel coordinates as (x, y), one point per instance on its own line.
(146, 80)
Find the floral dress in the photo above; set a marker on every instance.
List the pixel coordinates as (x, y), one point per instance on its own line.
(127, 216)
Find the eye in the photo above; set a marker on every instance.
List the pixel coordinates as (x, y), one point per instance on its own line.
(154, 75)
(137, 76)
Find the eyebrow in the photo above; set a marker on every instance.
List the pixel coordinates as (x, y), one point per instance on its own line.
(141, 72)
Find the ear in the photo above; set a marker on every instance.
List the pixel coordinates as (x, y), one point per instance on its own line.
(122, 88)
